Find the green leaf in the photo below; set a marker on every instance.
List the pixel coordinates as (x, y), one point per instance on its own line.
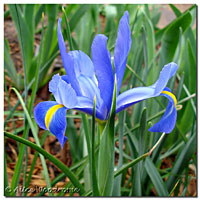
(29, 17)
(78, 15)
(25, 38)
(6, 185)
(34, 162)
(176, 11)
(170, 38)
(184, 156)
(69, 37)
(17, 80)
(35, 135)
(38, 14)
(50, 40)
(54, 160)
(150, 39)
(155, 178)
(106, 153)
(117, 181)
(138, 168)
(192, 68)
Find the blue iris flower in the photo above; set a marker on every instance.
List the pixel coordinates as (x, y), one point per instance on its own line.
(87, 78)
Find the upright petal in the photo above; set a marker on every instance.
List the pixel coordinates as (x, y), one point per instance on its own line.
(102, 62)
(50, 115)
(67, 60)
(168, 120)
(85, 74)
(122, 48)
(82, 64)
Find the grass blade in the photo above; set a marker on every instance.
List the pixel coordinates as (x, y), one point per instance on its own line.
(155, 178)
(68, 30)
(35, 137)
(54, 160)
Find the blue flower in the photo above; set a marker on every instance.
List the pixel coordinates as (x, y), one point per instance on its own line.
(86, 79)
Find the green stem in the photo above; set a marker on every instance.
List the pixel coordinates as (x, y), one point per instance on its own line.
(102, 125)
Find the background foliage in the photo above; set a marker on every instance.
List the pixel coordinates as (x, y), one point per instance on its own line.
(170, 170)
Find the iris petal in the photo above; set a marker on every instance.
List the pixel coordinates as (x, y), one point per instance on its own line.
(65, 95)
(135, 95)
(63, 92)
(82, 64)
(90, 89)
(86, 105)
(167, 72)
(122, 47)
(84, 69)
(58, 125)
(168, 120)
(67, 60)
(40, 112)
(102, 62)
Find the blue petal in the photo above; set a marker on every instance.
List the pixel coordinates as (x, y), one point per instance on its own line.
(65, 95)
(65, 78)
(40, 112)
(102, 62)
(135, 95)
(122, 47)
(58, 125)
(84, 70)
(90, 89)
(167, 72)
(67, 60)
(63, 92)
(82, 64)
(86, 105)
(168, 120)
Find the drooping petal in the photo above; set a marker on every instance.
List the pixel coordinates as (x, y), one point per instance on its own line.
(40, 112)
(135, 95)
(50, 115)
(58, 125)
(167, 72)
(168, 120)
(67, 60)
(63, 92)
(102, 63)
(122, 47)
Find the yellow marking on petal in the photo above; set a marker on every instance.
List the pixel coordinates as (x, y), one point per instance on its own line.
(171, 95)
(50, 114)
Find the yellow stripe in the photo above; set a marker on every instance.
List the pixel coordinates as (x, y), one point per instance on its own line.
(171, 95)
(50, 114)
